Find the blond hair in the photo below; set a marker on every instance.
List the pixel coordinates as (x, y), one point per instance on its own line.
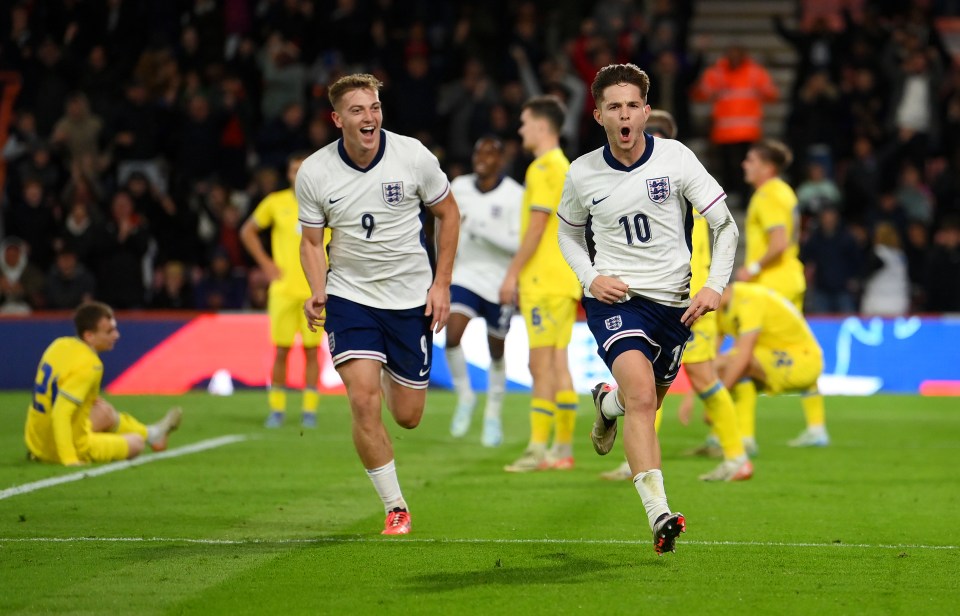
(349, 83)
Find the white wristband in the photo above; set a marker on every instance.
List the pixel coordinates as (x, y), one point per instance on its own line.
(754, 268)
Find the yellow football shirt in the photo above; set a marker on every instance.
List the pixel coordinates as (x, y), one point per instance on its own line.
(547, 272)
(279, 212)
(66, 386)
(754, 307)
(774, 204)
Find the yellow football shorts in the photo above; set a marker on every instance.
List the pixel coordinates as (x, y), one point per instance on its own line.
(790, 369)
(702, 345)
(549, 319)
(287, 318)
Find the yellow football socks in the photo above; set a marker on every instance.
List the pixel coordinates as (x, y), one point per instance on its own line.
(129, 425)
(813, 409)
(542, 413)
(723, 419)
(311, 400)
(745, 402)
(277, 399)
(566, 416)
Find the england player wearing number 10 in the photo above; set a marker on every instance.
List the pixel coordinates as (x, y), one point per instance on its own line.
(382, 301)
(635, 189)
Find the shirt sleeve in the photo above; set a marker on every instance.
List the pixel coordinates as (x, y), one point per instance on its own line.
(263, 214)
(432, 181)
(309, 201)
(571, 234)
(571, 210)
(542, 189)
(72, 391)
(770, 211)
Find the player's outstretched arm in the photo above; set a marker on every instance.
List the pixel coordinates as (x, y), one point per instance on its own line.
(738, 363)
(448, 235)
(61, 416)
(776, 245)
(314, 262)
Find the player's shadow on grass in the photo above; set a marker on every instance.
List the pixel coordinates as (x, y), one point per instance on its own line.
(512, 570)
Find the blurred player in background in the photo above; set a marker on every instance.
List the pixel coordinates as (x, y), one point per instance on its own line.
(773, 348)
(383, 303)
(547, 290)
(489, 236)
(288, 290)
(68, 422)
(637, 192)
(701, 350)
(772, 260)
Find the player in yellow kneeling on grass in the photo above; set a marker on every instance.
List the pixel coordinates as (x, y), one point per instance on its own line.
(773, 349)
(68, 422)
(700, 351)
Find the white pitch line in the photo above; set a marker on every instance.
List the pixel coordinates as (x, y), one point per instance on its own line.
(322, 540)
(119, 466)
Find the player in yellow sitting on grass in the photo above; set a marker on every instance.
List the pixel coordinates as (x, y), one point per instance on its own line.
(548, 290)
(68, 422)
(701, 350)
(288, 290)
(773, 349)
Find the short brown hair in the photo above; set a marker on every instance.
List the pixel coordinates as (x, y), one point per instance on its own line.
(774, 152)
(548, 107)
(660, 121)
(613, 74)
(348, 83)
(88, 316)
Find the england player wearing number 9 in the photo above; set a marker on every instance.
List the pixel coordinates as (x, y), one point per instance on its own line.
(382, 301)
(637, 298)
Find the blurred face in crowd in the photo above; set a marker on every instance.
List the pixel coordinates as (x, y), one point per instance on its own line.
(623, 114)
(359, 115)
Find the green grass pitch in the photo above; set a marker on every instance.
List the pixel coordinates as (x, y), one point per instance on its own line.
(286, 522)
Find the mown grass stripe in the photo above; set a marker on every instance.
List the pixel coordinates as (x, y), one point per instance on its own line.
(119, 466)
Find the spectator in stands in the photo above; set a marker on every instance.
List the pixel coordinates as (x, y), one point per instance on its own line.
(21, 282)
(914, 195)
(817, 49)
(917, 249)
(120, 253)
(818, 191)
(137, 137)
(68, 283)
(886, 291)
(943, 269)
(282, 136)
(831, 258)
(222, 287)
(80, 231)
(737, 87)
(172, 225)
(172, 289)
(78, 134)
(31, 217)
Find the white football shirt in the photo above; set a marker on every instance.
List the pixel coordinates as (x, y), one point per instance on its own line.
(489, 234)
(377, 252)
(641, 220)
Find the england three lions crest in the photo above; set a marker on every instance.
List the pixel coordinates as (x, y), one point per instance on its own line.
(392, 192)
(658, 189)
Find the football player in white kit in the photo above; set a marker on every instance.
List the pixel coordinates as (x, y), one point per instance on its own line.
(489, 236)
(382, 302)
(637, 300)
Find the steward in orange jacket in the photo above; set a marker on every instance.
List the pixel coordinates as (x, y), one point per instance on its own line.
(737, 86)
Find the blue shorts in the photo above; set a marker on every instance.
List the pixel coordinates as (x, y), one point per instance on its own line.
(643, 325)
(466, 302)
(400, 339)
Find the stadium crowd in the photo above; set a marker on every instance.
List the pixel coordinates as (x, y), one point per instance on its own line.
(142, 134)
